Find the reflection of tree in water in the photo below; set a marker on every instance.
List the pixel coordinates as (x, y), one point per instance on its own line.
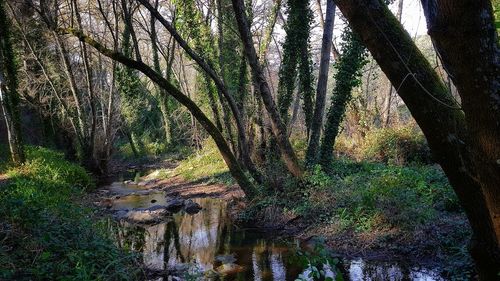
(200, 238)
(128, 236)
(200, 235)
(172, 240)
(359, 270)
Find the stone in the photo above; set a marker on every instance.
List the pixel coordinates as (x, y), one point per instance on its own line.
(152, 214)
(191, 207)
(226, 258)
(174, 205)
(230, 268)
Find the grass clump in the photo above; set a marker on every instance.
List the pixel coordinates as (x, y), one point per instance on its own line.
(206, 164)
(45, 235)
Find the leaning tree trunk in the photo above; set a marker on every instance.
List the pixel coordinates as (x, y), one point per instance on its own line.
(278, 127)
(231, 161)
(446, 127)
(324, 67)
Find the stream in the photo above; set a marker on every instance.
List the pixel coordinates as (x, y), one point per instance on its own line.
(207, 246)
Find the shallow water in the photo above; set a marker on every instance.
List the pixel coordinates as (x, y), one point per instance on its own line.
(200, 245)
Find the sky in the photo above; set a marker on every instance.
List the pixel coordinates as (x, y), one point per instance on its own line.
(413, 17)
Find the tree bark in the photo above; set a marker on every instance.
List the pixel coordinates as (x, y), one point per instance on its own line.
(388, 99)
(324, 67)
(443, 122)
(349, 68)
(74, 90)
(9, 97)
(278, 127)
(466, 40)
(221, 143)
(268, 34)
(89, 149)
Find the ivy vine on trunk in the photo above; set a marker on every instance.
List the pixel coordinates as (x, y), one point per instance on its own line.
(296, 60)
(347, 77)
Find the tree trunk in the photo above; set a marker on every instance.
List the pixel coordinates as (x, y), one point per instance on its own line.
(163, 98)
(295, 112)
(9, 98)
(74, 90)
(278, 127)
(390, 93)
(89, 149)
(268, 33)
(465, 37)
(443, 122)
(350, 64)
(324, 67)
(231, 161)
(323, 21)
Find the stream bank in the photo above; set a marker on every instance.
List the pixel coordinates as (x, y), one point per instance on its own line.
(209, 245)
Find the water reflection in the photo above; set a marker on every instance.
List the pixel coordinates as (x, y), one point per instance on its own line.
(209, 243)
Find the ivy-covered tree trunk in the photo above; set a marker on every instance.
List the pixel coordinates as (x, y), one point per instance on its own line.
(347, 77)
(278, 127)
(162, 97)
(296, 61)
(320, 102)
(463, 141)
(9, 98)
(129, 88)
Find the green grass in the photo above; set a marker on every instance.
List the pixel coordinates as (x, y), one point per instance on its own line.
(205, 164)
(46, 235)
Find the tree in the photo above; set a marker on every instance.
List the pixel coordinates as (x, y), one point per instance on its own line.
(464, 139)
(296, 61)
(9, 98)
(210, 71)
(231, 161)
(278, 127)
(347, 77)
(324, 67)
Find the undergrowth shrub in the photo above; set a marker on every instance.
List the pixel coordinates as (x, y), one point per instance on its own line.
(46, 235)
(398, 146)
(364, 195)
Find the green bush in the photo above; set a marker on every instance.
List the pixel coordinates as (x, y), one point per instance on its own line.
(46, 235)
(398, 146)
(363, 195)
